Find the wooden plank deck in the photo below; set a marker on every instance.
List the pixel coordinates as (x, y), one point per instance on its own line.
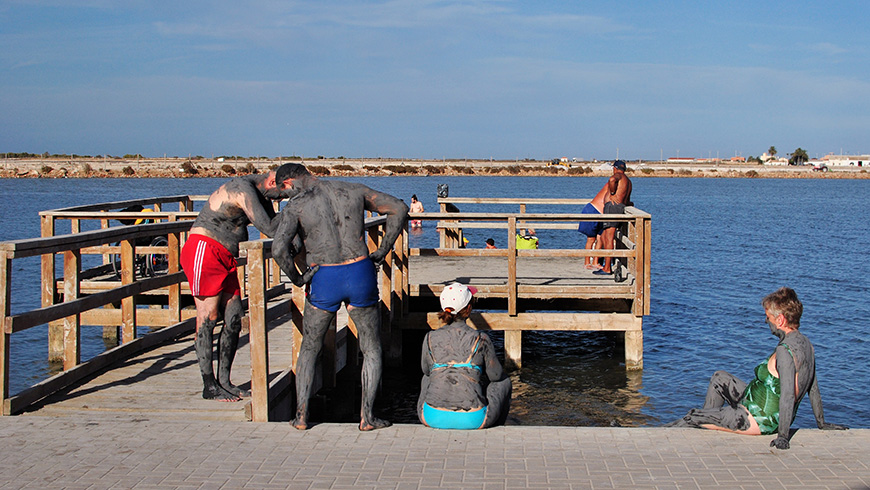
(165, 381)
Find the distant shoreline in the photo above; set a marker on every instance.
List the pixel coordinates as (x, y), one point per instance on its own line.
(380, 167)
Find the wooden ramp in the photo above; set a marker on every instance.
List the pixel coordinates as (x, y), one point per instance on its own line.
(165, 381)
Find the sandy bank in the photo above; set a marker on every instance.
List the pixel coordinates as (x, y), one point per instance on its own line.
(186, 168)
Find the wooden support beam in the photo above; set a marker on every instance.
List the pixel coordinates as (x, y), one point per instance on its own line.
(555, 321)
(512, 266)
(634, 346)
(128, 304)
(173, 258)
(258, 334)
(49, 290)
(5, 338)
(513, 349)
(72, 346)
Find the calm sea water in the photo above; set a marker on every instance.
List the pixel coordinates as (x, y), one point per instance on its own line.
(719, 245)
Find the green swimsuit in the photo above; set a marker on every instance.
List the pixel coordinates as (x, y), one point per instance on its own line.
(761, 398)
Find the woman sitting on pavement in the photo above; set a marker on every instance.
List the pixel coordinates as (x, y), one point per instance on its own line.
(768, 403)
(463, 385)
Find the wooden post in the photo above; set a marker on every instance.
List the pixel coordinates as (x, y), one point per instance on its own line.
(258, 334)
(513, 349)
(513, 339)
(512, 266)
(634, 346)
(173, 254)
(128, 304)
(49, 291)
(5, 303)
(72, 347)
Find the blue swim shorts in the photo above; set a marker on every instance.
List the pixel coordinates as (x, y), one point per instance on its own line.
(356, 284)
(439, 418)
(590, 228)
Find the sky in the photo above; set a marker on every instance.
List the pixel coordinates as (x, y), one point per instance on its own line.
(434, 79)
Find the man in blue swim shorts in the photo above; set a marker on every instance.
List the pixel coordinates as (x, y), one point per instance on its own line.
(329, 217)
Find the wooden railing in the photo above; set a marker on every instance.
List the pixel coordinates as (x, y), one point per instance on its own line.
(70, 312)
(66, 312)
(632, 248)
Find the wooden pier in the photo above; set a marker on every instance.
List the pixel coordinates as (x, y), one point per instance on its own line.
(519, 290)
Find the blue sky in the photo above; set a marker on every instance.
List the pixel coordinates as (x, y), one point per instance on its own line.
(434, 79)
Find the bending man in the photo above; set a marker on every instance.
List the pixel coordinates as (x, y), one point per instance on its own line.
(330, 218)
(209, 262)
(768, 403)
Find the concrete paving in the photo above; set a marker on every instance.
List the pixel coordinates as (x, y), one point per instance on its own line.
(111, 450)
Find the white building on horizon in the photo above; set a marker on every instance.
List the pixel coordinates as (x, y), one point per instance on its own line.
(846, 160)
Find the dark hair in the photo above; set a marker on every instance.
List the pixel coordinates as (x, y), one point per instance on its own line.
(289, 171)
(414, 197)
(784, 301)
(448, 317)
(490, 241)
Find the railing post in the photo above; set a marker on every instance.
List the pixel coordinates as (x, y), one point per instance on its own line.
(49, 292)
(258, 335)
(72, 327)
(512, 266)
(5, 300)
(173, 302)
(128, 304)
(513, 339)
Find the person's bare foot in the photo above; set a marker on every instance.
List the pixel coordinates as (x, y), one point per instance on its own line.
(374, 424)
(219, 394)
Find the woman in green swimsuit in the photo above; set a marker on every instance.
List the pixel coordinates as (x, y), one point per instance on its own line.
(768, 403)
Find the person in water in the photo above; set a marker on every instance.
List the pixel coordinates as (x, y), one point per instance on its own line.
(768, 403)
(416, 207)
(208, 259)
(463, 385)
(329, 217)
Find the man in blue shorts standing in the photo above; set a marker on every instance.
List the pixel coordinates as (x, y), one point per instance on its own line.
(329, 217)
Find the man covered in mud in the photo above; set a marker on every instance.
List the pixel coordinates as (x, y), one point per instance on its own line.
(329, 217)
(209, 262)
(768, 403)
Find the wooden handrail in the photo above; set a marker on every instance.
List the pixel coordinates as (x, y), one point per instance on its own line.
(77, 241)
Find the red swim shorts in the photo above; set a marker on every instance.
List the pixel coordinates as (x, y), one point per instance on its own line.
(210, 268)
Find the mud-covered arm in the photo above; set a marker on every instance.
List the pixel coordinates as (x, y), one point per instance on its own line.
(396, 212)
(256, 207)
(818, 412)
(494, 369)
(425, 357)
(283, 249)
(786, 369)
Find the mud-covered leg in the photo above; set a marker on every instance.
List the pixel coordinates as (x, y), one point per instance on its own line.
(203, 344)
(228, 343)
(498, 396)
(314, 326)
(367, 321)
(724, 388)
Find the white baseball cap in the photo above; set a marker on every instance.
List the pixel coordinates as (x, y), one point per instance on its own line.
(456, 296)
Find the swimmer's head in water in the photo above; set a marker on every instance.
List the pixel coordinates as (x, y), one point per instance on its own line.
(456, 296)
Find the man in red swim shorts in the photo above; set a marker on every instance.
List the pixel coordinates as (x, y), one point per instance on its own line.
(209, 262)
